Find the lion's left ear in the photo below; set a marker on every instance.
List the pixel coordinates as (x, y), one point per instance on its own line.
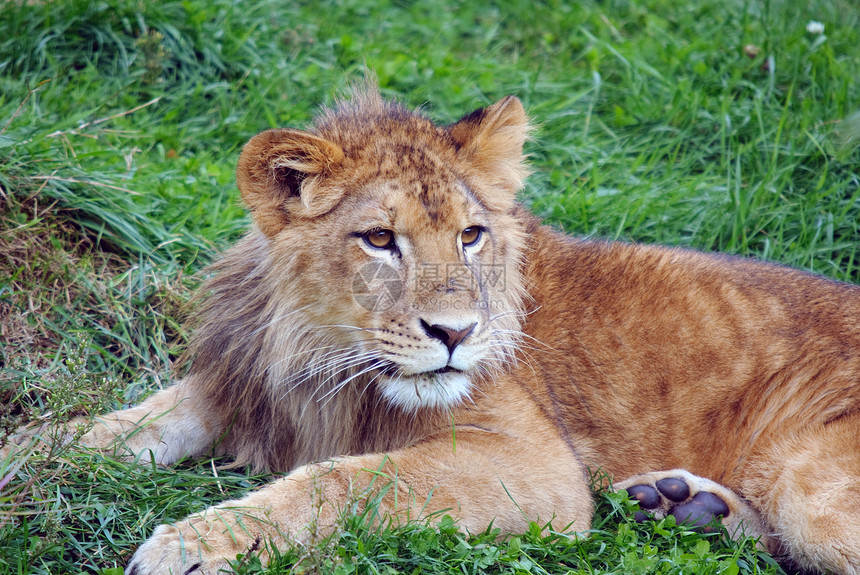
(490, 141)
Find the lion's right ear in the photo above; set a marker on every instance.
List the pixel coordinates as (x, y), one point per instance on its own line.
(280, 172)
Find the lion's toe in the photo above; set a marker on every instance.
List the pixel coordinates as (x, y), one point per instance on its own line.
(169, 551)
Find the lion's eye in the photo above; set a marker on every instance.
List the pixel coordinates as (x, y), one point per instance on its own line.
(379, 239)
(471, 235)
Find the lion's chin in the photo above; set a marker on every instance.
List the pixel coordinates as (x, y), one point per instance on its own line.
(439, 389)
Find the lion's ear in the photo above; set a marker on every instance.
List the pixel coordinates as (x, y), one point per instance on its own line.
(490, 141)
(281, 171)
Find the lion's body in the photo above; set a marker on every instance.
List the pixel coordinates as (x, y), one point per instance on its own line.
(550, 355)
(665, 358)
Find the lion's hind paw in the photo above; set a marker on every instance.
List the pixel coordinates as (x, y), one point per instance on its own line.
(693, 501)
(673, 496)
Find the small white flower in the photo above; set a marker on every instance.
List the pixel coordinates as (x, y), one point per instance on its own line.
(814, 27)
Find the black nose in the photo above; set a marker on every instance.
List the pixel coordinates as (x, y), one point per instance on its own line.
(449, 336)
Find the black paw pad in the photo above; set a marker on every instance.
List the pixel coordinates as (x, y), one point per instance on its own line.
(640, 517)
(674, 489)
(699, 511)
(646, 495)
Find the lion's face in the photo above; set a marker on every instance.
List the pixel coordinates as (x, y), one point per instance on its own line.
(420, 290)
(397, 246)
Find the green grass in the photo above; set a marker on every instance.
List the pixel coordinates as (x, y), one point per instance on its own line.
(721, 125)
(616, 544)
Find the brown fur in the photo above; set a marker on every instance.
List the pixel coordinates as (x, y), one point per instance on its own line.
(629, 358)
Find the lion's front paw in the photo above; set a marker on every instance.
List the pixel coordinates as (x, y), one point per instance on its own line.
(177, 550)
(694, 501)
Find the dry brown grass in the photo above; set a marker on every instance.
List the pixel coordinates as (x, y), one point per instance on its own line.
(64, 291)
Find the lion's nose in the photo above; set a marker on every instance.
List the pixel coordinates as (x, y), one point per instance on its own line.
(448, 335)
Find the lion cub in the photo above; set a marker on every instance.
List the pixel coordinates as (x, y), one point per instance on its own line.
(395, 311)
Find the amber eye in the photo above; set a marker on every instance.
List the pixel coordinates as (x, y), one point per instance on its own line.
(379, 239)
(471, 235)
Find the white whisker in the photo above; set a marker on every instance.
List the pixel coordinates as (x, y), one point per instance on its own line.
(343, 326)
(343, 383)
(512, 313)
(343, 364)
(345, 361)
(521, 334)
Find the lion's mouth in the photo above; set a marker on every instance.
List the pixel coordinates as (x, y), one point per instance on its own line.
(393, 370)
(446, 369)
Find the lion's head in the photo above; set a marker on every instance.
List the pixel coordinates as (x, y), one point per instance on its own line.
(386, 259)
